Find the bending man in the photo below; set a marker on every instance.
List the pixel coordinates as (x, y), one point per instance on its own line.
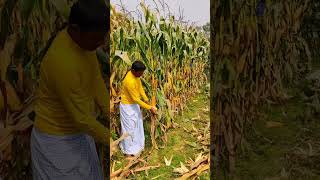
(62, 141)
(130, 114)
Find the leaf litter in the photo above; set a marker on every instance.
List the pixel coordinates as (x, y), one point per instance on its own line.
(191, 168)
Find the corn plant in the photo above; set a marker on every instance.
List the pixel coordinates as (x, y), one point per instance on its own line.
(311, 28)
(176, 57)
(257, 50)
(26, 31)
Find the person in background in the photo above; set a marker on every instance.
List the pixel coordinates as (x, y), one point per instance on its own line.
(70, 87)
(130, 113)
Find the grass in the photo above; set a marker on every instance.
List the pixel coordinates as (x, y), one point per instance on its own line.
(270, 152)
(176, 146)
(266, 156)
(266, 159)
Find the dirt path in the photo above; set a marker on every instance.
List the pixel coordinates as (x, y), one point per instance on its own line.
(196, 115)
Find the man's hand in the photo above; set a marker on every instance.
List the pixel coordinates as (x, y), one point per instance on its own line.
(154, 110)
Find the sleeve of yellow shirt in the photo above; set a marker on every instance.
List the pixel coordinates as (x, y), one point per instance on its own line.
(131, 88)
(66, 82)
(142, 92)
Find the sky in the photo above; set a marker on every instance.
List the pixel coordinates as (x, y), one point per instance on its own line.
(196, 11)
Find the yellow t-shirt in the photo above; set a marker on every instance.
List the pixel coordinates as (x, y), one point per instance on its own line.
(69, 87)
(132, 91)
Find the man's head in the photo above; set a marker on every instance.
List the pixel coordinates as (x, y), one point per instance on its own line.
(138, 68)
(89, 23)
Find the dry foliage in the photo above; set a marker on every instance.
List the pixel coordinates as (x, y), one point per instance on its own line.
(253, 57)
(176, 57)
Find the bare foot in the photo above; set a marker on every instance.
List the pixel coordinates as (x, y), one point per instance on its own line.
(129, 156)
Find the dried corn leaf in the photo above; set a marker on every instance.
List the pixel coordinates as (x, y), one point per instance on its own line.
(7, 153)
(113, 92)
(199, 137)
(125, 172)
(5, 141)
(145, 168)
(168, 162)
(193, 144)
(195, 171)
(114, 144)
(204, 168)
(182, 169)
(185, 129)
(124, 56)
(157, 176)
(198, 161)
(194, 128)
(13, 99)
(206, 109)
(198, 157)
(23, 124)
(272, 124)
(196, 118)
(6, 54)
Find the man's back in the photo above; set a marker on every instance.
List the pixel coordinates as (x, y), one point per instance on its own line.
(132, 91)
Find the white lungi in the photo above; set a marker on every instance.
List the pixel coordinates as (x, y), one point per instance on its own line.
(131, 122)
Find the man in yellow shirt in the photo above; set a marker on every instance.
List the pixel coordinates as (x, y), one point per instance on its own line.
(130, 114)
(70, 85)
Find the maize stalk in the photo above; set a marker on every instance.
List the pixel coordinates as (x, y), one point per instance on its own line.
(246, 75)
(153, 117)
(166, 47)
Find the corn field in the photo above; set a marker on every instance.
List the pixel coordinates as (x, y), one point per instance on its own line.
(26, 32)
(177, 60)
(258, 50)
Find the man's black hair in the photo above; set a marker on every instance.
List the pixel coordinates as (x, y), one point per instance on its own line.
(90, 15)
(138, 66)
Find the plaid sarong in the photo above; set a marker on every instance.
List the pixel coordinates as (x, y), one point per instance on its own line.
(70, 157)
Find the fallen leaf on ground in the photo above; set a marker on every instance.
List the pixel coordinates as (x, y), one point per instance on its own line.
(272, 124)
(196, 118)
(200, 159)
(206, 109)
(168, 162)
(174, 124)
(145, 168)
(182, 169)
(199, 138)
(195, 171)
(186, 129)
(193, 144)
(157, 176)
(179, 148)
(194, 128)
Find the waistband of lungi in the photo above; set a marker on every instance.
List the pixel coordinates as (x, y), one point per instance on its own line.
(50, 136)
(128, 104)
